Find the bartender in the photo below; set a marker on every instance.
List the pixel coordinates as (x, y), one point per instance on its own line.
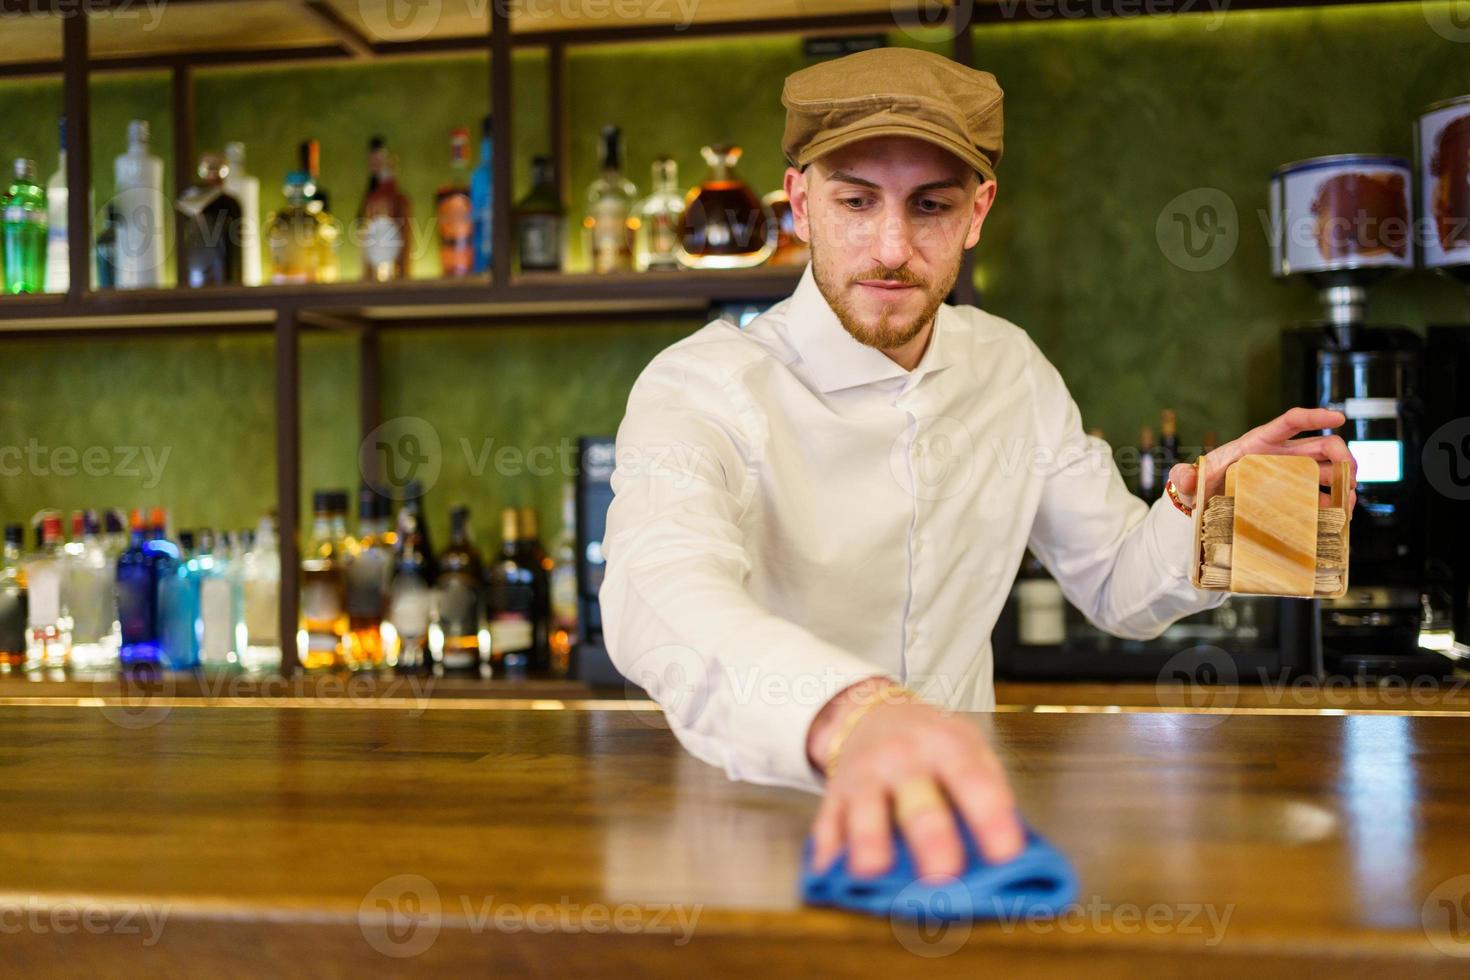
(817, 519)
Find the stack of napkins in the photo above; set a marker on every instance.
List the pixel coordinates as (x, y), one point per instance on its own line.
(1218, 529)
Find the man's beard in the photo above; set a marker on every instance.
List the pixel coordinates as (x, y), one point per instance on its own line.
(887, 334)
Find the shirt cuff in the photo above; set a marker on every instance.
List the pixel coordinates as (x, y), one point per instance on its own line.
(1173, 535)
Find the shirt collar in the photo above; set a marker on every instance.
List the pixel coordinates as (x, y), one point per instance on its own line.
(834, 360)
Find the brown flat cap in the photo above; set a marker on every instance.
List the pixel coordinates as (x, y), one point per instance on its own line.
(893, 92)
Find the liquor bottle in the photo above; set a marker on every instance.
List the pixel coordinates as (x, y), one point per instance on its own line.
(608, 225)
(212, 228)
(533, 555)
(23, 230)
(386, 232)
(324, 584)
(726, 226)
(58, 253)
(90, 599)
(564, 585)
(114, 533)
(303, 242)
(455, 212)
(13, 614)
(369, 570)
(310, 163)
(138, 176)
(660, 215)
(410, 594)
(511, 598)
(1168, 442)
(178, 609)
(48, 626)
(1041, 618)
(790, 249)
(459, 596)
(220, 602)
(107, 249)
(245, 188)
(1148, 462)
(482, 183)
(539, 221)
(137, 598)
(261, 585)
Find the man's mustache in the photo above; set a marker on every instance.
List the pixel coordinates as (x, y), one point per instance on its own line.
(890, 275)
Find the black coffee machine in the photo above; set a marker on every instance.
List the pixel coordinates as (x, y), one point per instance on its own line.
(1341, 223)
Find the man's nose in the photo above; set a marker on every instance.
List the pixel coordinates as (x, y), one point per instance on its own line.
(893, 243)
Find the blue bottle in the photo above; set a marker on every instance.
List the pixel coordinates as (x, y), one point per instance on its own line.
(137, 599)
(481, 182)
(178, 608)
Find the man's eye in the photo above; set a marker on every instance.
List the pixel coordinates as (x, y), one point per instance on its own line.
(852, 203)
(928, 206)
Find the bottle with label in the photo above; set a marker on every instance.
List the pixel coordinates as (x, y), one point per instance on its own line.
(303, 242)
(58, 253)
(539, 220)
(386, 232)
(245, 188)
(410, 593)
(23, 232)
(260, 577)
(564, 585)
(324, 584)
(138, 176)
(48, 632)
(13, 614)
(212, 228)
(511, 598)
(482, 183)
(608, 224)
(454, 211)
(90, 597)
(368, 573)
(137, 598)
(106, 257)
(458, 597)
(660, 215)
(178, 609)
(221, 603)
(1041, 609)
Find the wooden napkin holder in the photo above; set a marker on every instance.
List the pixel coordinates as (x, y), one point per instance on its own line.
(1274, 539)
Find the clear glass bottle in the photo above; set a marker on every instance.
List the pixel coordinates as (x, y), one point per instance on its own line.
(410, 594)
(303, 240)
(13, 615)
(142, 212)
(48, 633)
(385, 216)
(261, 584)
(482, 183)
(324, 584)
(245, 188)
(454, 211)
(212, 228)
(221, 604)
(563, 578)
(369, 568)
(726, 226)
(540, 221)
(608, 224)
(23, 232)
(459, 597)
(660, 216)
(178, 609)
(58, 254)
(90, 596)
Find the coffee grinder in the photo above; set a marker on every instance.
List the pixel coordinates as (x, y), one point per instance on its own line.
(1342, 223)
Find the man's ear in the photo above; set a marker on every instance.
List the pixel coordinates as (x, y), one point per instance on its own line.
(984, 198)
(795, 185)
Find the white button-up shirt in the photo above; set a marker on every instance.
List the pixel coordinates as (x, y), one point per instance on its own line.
(794, 512)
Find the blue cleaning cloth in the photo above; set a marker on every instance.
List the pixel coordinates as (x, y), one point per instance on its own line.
(1038, 881)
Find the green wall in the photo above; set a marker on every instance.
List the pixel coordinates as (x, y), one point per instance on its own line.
(1107, 124)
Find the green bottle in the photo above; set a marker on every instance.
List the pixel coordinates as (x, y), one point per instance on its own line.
(23, 230)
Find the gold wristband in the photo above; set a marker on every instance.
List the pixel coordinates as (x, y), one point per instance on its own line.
(850, 722)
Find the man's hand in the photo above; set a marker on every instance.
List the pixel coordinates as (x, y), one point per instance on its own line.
(904, 757)
(1275, 438)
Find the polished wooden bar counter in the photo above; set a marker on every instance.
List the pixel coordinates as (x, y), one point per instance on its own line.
(142, 836)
